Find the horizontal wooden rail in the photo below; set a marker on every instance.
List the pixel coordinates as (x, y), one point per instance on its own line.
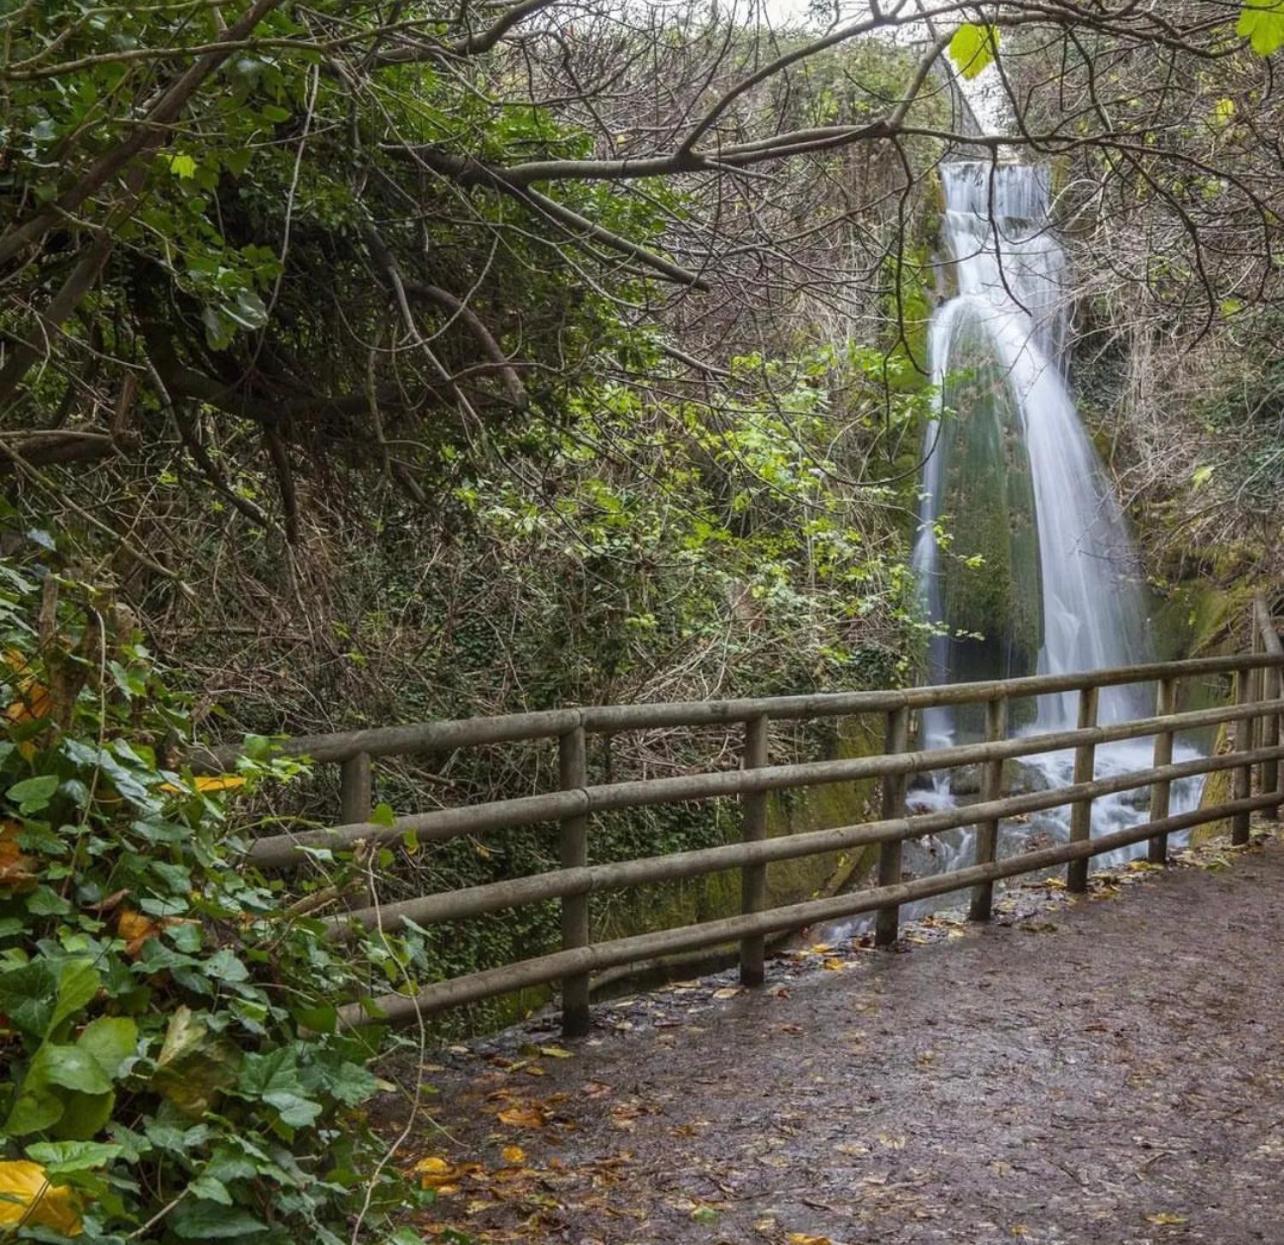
(427, 737)
(476, 901)
(1254, 707)
(401, 1009)
(281, 851)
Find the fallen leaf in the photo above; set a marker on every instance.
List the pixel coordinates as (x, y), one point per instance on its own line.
(27, 1199)
(16, 869)
(208, 782)
(514, 1156)
(524, 1115)
(806, 1238)
(1165, 1218)
(556, 1052)
(135, 929)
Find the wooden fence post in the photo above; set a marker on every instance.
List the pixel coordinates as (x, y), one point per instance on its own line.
(1085, 757)
(573, 775)
(1243, 782)
(1270, 773)
(1272, 689)
(1165, 703)
(987, 832)
(753, 877)
(355, 789)
(896, 739)
(356, 799)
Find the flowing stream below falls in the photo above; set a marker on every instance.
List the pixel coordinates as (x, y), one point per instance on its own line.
(1023, 557)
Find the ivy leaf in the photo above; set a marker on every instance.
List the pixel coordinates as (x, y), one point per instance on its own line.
(1261, 22)
(973, 47)
(84, 1115)
(62, 1158)
(78, 982)
(350, 1083)
(71, 1067)
(109, 1041)
(211, 1221)
(224, 966)
(275, 1077)
(45, 901)
(33, 794)
(210, 1189)
(38, 997)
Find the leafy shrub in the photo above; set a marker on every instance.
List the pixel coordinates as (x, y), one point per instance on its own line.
(169, 1065)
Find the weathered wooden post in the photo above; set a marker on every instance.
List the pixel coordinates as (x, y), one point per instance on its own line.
(1085, 756)
(1165, 703)
(895, 739)
(1271, 689)
(1270, 773)
(356, 799)
(987, 832)
(1243, 784)
(355, 789)
(753, 877)
(573, 776)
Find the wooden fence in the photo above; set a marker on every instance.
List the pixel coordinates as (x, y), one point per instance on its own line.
(1254, 709)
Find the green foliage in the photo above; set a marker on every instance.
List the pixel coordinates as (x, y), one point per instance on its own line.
(153, 993)
(1262, 23)
(973, 48)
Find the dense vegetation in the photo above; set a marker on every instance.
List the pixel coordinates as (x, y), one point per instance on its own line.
(386, 361)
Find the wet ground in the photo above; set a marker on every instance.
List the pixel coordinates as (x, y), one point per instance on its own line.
(1104, 1070)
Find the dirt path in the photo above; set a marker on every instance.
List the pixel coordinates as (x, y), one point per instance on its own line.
(1102, 1071)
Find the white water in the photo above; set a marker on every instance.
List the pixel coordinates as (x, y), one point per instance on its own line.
(1011, 294)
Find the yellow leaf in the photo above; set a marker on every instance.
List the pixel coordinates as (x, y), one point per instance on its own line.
(527, 1115)
(556, 1052)
(973, 47)
(806, 1238)
(435, 1173)
(136, 929)
(514, 1156)
(28, 1200)
(16, 869)
(1165, 1218)
(209, 782)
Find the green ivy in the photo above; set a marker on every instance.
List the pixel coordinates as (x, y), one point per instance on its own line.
(168, 1053)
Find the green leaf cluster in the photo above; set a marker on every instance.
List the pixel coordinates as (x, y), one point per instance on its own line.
(165, 1027)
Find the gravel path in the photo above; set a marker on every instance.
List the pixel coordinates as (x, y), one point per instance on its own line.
(1107, 1070)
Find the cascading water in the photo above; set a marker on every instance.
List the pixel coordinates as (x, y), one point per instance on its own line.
(1023, 557)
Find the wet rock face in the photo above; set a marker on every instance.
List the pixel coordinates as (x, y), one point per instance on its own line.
(966, 780)
(989, 589)
(1018, 778)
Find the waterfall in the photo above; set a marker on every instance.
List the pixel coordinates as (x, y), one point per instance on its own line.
(1056, 588)
(1023, 557)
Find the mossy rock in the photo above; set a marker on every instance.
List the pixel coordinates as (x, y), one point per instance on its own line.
(1218, 789)
(989, 587)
